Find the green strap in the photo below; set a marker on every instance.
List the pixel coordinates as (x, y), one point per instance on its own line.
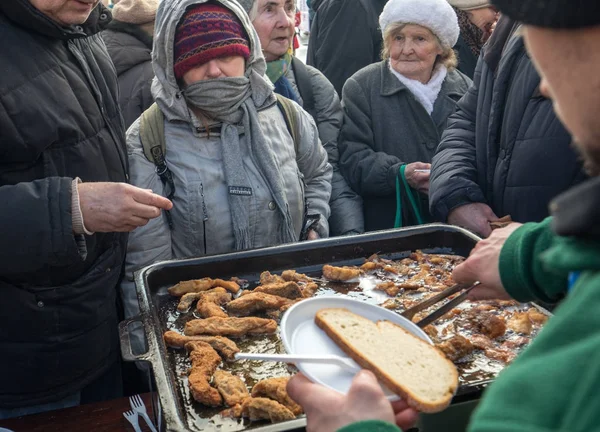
(412, 198)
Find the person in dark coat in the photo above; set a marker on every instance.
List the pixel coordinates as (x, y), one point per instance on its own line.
(311, 90)
(505, 152)
(476, 19)
(63, 241)
(396, 111)
(344, 38)
(129, 42)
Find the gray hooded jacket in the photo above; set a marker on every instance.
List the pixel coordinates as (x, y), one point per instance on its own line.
(202, 222)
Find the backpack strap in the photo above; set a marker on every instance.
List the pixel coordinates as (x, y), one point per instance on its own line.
(290, 115)
(305, 87)
(152, 136)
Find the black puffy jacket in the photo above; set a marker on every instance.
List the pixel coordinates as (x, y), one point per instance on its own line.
(130, 49)
(504, 146)
(59, 119)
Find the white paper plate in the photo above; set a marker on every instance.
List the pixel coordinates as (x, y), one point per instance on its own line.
(300, 335)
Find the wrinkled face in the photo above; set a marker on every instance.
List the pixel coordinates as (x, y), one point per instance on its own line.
(413, 51)
(568, 62)
(222, 67)
(274, 23)
(484, 18)
(66, 12)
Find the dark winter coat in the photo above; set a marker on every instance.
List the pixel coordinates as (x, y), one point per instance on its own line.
(344, 38)
(504, 146)
(386, 127)
(467, 61)
(130, 49)
(59, 119)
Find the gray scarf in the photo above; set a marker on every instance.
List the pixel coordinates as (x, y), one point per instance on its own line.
(231, 101)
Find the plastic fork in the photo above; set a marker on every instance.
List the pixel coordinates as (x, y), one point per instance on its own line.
(138, 406)
(133, 417)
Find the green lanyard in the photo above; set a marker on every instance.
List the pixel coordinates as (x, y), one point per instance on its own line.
(412, 197)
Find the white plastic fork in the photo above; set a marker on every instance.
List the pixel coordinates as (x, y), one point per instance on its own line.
(133, 417)
(138, 406)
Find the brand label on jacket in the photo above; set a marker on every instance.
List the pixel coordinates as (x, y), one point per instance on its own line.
(240, 190)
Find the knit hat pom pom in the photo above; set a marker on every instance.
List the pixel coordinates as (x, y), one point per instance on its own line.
(206, 32)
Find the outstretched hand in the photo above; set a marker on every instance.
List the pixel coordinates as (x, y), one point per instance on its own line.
(118, 207)
(327, 410)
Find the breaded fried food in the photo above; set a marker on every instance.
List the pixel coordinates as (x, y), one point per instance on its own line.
(224, 346)
(209, 309)
(432, 332)
(233, 412)
(491, 326)
(369, 266)
(231, 387)
(294, 276)
(520, 323)
(255, 302)
(204, 284)
(235, 327)
(389, 288)
(231, 286)
(186, 301)
(275, 388)
(536, 317)
(481, 342)
(218, 295)
(456, 348)
(341, 274)
(191, 286)
(266, 409)
(205, 361)
(290, 290)
(266, 278)
(309, 289)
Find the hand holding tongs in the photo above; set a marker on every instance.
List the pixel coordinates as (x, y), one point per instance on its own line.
(410, 313)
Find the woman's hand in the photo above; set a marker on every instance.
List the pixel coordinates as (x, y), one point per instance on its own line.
(483, 265)
(327, 410)
(416, 179)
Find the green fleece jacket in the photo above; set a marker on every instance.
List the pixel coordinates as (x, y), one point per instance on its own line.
(554, 385)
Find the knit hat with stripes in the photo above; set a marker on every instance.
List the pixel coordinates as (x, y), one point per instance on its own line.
(206, 32)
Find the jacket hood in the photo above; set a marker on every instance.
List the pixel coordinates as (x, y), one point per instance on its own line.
(165, 90)
(23, 13)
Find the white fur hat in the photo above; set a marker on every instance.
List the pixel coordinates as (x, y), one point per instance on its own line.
(436, 15)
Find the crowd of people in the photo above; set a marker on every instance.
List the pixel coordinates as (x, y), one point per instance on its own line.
(156, 130)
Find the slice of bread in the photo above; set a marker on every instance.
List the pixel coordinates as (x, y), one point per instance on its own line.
(407, 365)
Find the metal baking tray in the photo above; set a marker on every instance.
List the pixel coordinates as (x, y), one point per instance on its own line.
(157, 307)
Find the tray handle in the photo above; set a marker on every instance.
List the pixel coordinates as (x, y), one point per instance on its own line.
(125, 339)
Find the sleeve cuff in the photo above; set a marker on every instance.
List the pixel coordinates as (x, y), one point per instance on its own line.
(370, 426)
(76, 213)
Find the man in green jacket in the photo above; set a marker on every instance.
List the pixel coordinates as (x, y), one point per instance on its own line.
(553, 385)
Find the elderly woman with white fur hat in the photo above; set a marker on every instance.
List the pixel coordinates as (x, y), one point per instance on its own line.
(396, 110)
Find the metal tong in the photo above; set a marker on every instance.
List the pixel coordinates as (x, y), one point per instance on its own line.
(410, 313)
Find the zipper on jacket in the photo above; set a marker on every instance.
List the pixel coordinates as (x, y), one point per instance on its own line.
(204, 217)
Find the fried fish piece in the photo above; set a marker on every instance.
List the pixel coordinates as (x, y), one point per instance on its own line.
(205, 361)
(520, 323)
(294, 276)
(235, 327)
(186, 301)
(266, 409)
(209, 309)
(485, 323)
(224, 346)
(231, 387)
(389, 288)
(481, 342)
(309, 289)
(233, 412)
(191, 286)
(218, 295)
(456, 348)
(369, 266)
(290, 290)
(341, 274)
(275, 388)
(255, 302)
(231, 286)
(266, 278)
(536, 317)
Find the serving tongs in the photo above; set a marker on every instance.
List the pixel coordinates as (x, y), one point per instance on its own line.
(410, 313)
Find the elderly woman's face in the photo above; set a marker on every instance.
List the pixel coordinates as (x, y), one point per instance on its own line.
(274, 23)
(66, 12)
(484, 18)
(221, 67)
(413, 51)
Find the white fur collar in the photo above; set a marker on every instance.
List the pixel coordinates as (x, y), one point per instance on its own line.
(424, 93)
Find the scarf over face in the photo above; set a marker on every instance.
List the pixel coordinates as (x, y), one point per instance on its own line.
(233, 102)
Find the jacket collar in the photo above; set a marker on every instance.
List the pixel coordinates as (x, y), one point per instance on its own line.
(577, 211)
(24, 14)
